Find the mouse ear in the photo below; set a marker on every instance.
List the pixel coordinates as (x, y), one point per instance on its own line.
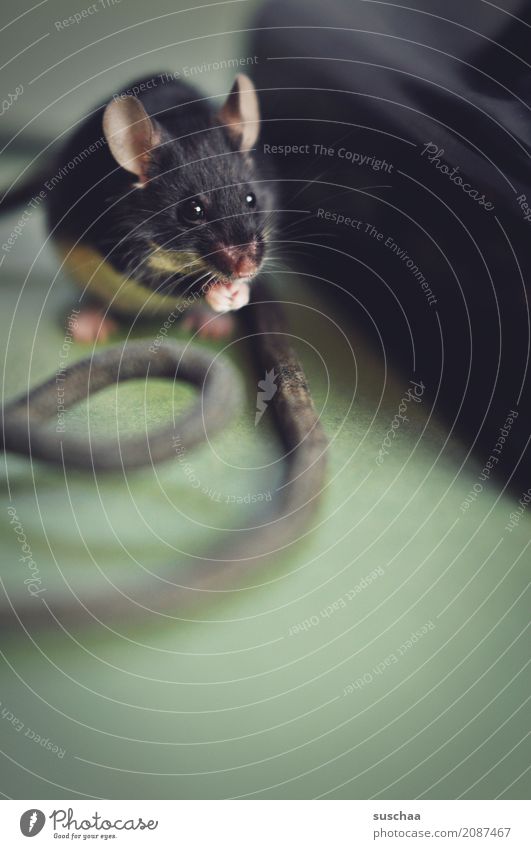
(240, 114)
(131, 135)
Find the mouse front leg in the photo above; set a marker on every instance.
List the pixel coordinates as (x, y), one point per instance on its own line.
(224, 297)
(201, 319)
(214, 319)
(91, 324)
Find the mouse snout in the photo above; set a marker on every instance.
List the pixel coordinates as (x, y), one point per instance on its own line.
(239, 260)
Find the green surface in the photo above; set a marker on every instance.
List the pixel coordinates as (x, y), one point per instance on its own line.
(240, 702)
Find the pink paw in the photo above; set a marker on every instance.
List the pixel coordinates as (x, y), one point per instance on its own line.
(223, 297)
(91, 325)
(207, 324)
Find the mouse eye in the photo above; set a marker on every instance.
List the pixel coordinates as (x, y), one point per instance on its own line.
(191, 211)
(250, 199)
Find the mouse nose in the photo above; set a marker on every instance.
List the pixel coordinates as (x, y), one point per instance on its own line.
(238, 260)
(245, 266)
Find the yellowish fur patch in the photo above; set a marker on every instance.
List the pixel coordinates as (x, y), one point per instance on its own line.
(174, 262)
(123, 294)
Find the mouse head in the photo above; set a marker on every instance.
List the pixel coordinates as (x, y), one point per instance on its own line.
(195, 208)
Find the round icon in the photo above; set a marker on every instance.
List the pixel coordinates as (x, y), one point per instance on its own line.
(31, 822)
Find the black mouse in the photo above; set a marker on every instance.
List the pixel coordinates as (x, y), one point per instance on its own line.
(158, 199)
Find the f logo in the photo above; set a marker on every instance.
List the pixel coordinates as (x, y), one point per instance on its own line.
(31, 822)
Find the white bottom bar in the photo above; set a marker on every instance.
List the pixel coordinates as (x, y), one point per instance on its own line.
(266, 824)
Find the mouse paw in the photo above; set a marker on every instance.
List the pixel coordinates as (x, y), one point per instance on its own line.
(223, 297)
(91, 325)
(207, 324)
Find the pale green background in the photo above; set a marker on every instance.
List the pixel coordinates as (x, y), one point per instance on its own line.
(233, 705)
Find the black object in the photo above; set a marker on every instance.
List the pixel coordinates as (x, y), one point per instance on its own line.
(413, 122)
